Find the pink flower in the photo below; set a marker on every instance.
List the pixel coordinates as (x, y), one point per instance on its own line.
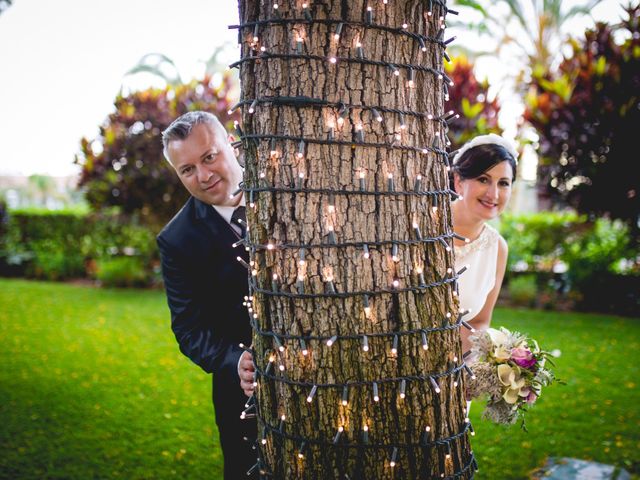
(523, 357)
(531, 398)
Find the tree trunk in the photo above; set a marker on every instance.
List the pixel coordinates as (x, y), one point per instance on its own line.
(347, 244)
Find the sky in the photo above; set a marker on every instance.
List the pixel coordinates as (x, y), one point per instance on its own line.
(64, 61)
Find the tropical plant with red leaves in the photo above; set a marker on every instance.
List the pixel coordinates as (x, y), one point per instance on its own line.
(469, 97)
(124, 166)
(586, 115)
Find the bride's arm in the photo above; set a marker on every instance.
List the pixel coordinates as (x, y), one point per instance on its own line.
(483, 319)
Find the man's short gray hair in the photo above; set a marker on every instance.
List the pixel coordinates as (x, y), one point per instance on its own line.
(182, 126)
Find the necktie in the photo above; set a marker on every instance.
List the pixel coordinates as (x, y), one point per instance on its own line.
(239, 218)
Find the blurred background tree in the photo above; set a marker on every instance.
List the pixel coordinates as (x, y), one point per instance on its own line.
(124, 166)
(587, 113)
(535, 29)
(469, 97)
(4, 4)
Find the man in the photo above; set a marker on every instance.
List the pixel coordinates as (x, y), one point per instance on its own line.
(205, 283)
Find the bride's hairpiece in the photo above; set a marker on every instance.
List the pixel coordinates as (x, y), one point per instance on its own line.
(489, 139)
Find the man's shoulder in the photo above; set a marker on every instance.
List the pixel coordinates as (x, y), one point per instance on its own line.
(180, 223)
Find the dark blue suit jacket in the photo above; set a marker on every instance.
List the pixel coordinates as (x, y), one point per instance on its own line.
(205, 287)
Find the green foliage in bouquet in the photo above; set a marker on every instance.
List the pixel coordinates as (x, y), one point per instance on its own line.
(586, 115)
(124, 166)
(469, 97)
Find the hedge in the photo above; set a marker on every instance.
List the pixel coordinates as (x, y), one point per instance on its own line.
(64, 245)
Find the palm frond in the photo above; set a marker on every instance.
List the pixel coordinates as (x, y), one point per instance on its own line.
(155, 64)
(581, 9)
(477, 6)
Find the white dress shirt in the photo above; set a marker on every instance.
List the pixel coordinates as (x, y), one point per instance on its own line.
(227, 212)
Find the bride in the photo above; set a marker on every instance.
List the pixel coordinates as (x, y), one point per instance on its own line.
(484, 170)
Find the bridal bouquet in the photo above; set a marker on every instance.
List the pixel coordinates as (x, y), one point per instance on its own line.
(511, 369)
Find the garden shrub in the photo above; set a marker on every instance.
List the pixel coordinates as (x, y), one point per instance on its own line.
(586, 257)
(523, 290)
(43, 244)
(63, 244)
(122, 272)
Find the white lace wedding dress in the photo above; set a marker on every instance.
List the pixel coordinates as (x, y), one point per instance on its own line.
(481, 258)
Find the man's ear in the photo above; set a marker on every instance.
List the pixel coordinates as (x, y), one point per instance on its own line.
(237, 151)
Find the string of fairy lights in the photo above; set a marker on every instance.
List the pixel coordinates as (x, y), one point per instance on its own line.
(272, 368)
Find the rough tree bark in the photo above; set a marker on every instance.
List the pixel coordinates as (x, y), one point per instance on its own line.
(312, 201)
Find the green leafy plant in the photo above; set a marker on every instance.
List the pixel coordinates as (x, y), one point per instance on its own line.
(70, 244)
(596, 260)
(523, 290)
(122, 272)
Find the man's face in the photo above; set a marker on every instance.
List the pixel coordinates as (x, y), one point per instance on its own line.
(206, 165)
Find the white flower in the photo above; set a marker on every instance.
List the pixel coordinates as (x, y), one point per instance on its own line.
(498, 337)
(510, 378)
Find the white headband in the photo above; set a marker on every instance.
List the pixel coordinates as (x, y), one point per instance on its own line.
(490, 139)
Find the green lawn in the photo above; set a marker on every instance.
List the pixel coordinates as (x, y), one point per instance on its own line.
(92, 386)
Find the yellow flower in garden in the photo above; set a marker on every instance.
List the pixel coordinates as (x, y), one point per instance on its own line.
(510, 377)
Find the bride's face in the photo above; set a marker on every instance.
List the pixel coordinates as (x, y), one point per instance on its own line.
(486, 196)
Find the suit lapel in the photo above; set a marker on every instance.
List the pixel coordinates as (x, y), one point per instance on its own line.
(223, 235)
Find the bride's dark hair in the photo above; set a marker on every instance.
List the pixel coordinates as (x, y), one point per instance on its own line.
(477, 160)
